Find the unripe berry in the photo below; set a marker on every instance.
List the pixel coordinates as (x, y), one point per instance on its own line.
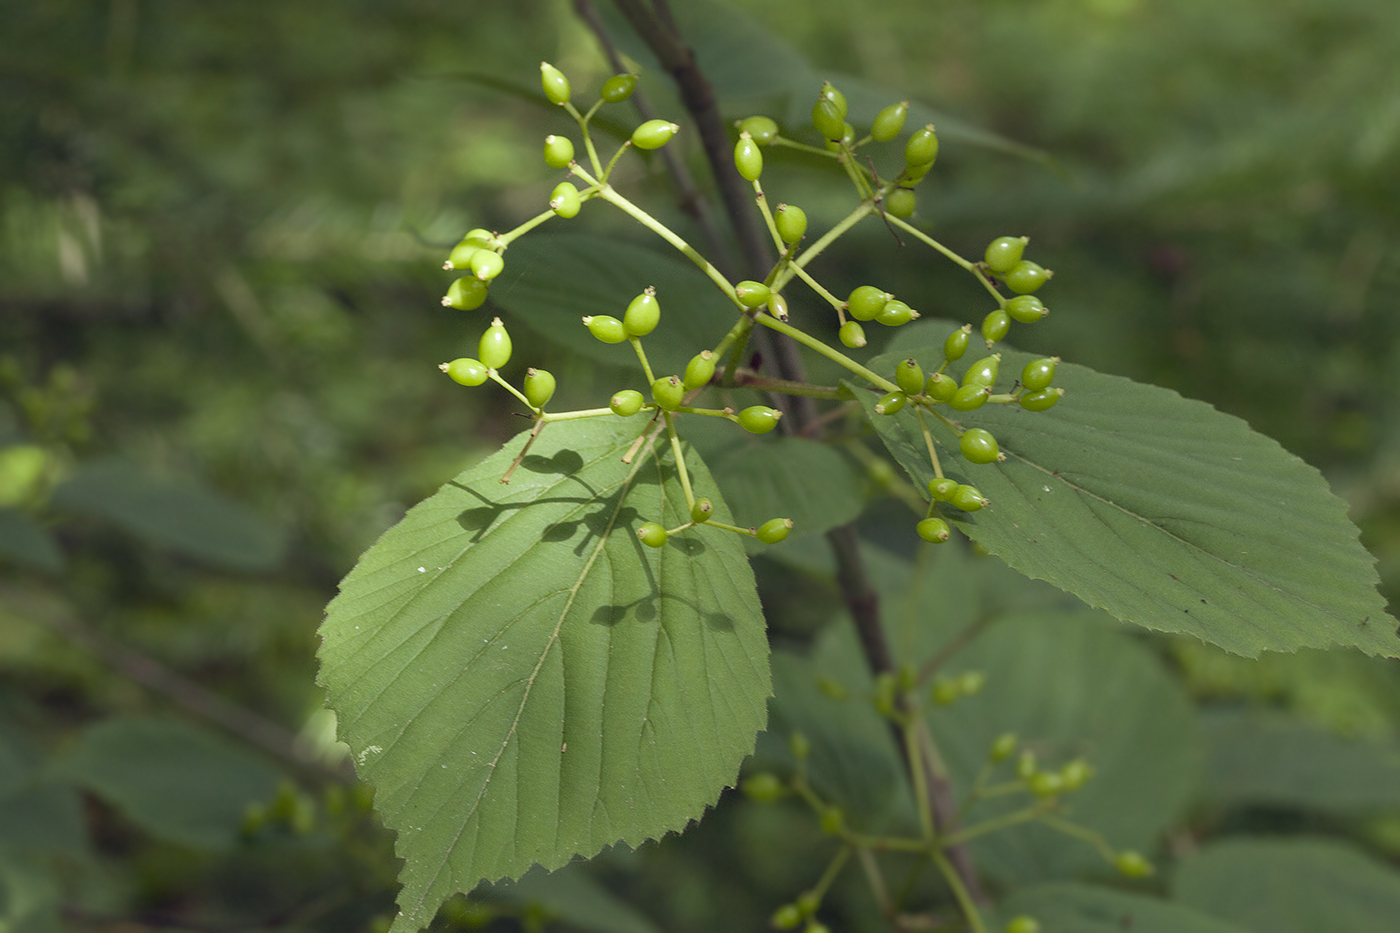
(643, 314)
(1132, 864)
(627, 402)
(1022, 923)
(700, 511)
(934, 530)
(800, 746)
(1026, 277)
(828, 119)
(1003, 747)
(668, 392)
(762, 129)
(791, 223)
(996, 325)
(890, 404)
(556, 86)
(774, 530)
(956, 344)
(564, 200)
(606, 328)
(895, 313)
(922, 147)
(866, 302)
(1075, 774)
(747, 159)
(967, 498)
(1040, 401)
(833, 821)
(852, 335)
(889, 122)
(652, 534)
(1026, 308)
(941, 387)
(979, 446)
(1046, 784)
(759, 419)
(558, 151)
(777, 306)
(487, 264)
(751, 294)
(1004, 252)
(539, 387)
(983, 372)
(901, 202)
(909, 376)
(941, 489)
(1038, 373)
(466, 294)
(969, 397)
(654, 134)
(945, 692)
(830, 92)
(699, 371)
(618, 88)
(462, 253)
(786, 917)
(763, 787)
(465, 371)
(494, 347)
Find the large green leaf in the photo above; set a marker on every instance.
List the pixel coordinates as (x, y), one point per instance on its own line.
(1291, 886)
(1080, 908)
(523, 681)
(1161, 510)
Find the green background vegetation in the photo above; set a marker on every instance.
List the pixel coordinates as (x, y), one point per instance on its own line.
(220, 232)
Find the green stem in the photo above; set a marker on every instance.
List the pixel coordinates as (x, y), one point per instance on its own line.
(681, 470)
(496, 378)
(964, 899)
(748, 379)
(831, 236)
(820, 289)
(918, 779)
(802, 147)
(841, 359)
(920, 235)
(762, 201)
(575, 415)
(505, 238)
(928, 440)
(990, 826)
(1080, 832)
(642, 355)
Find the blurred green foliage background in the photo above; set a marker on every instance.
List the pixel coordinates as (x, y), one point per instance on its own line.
(221, 227)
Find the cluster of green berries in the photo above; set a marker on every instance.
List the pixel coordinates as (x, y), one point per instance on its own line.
(493, 352)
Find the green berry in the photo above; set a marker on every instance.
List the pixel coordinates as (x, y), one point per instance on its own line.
(913, 174)
(786, 917)
(967, 498)
(465, 371)
(1025, 765)
(830, 93)
(909, 375)
(627, 402)
(833, 821)
(969, 397)
(1075, 774)
(606, 328)
(654, 134)
(774, 530)
(979, 446)
(699, 371)
(556, 86)
(816, 926)
(956, 344)
(1004, 252)
(891, 403)
(1131, 864)
(945, 692)
(643, 314)
(1003, 747)
(1023, 923)
(539, 387)
(996, 325)
(889, 122)
(1038, 373)
(668, 392)
(895, 313)
(1040, 401)
(1046, 784)
(941, 387)
(759, 419)
(486, 264)
(618, 88)
(652, 534)
(747, 159)
(700, 511)
(808, 902)
(777, 306)
(922, 147)
(791, 223)
(558, 151)
(983, 372)
(852, 335)
(1025, 277)
(752, 294)
(762, 129)
(763, 787)
(941, 489)
(466, 294)
(848, 138)
(901, 202)
(462, 253)
(1026, 308)
(828, 119)
(800, 745)
(934, 530)
(494, 347)
(866, 302)
(564, 200)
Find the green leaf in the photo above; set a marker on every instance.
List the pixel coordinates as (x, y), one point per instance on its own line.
(1258, 757)
(175, 781)
(789, 477)
(1291, 886)
(25, 541)
(566, 277)
(1078, 908)
(176, 514)
(524, 681)
(1161, 510)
